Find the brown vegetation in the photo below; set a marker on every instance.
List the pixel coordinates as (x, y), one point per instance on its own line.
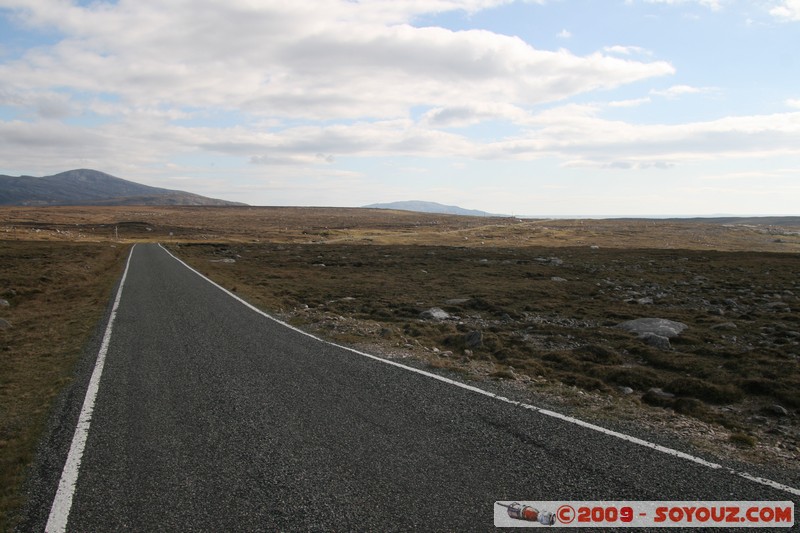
(534, 304)
(376, 226)
(56, 293)
(550, 315)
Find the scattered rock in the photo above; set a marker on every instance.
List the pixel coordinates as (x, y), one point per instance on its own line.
(725, 325)
(4, 324)
(657, 341)
(626, 390)
(656, 326)
(473, 339)
(777, 410)
(434, 313)
(783, 306)
(4, 303)
(658, 398)
(225, 260)
(554, 261)
(557, 279)
(657, 391)
(640, 301)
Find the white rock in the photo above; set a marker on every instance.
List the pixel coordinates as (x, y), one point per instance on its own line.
(656, 326)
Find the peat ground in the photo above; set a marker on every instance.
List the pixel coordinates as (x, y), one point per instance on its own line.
(548, 318)
(52, 294)
(531, 304)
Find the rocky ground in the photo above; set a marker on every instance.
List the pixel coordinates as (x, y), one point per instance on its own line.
(717, 362)
(532, 306)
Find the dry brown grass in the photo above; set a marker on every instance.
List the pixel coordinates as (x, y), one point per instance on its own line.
(56, 293)
(373, 226)
(383, 267)
(548, 317)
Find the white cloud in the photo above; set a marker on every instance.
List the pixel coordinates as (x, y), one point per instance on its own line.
(635, 102)
(677, 91)
(128, 73)
(787, 10)
(627, 50)
(460, 116)
(714, 5)
(793, 103)
(578, 135)
(323, 60)
(46, 104)
(564, 34)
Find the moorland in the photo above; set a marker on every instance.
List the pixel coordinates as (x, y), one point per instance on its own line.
(530, 305)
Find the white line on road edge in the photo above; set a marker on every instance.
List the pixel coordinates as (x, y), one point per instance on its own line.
(546, 412)
(62, 503)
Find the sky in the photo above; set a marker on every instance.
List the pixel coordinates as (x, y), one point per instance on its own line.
(527, 108)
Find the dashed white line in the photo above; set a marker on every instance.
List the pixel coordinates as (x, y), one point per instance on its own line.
(62, 503)
(546, 412)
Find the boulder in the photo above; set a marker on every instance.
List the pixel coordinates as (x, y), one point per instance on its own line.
(434, 313)
(778, 410)
(4, 324)
(657, 391)
(657, 341)
(656, 326)
(473, 339)
(657, 397)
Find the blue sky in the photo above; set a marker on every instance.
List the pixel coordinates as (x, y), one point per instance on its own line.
(540, 108)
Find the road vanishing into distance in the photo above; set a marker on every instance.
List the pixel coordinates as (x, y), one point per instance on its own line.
(211, 416)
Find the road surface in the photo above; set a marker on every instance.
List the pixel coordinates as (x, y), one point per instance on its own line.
(209, 416)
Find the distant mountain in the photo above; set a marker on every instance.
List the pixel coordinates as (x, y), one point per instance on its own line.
(90, 187)
(430, 207)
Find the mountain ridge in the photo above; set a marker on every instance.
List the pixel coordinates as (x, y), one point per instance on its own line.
(430, 207)
(92, 187)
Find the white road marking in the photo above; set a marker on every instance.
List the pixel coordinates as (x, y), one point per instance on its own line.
(62, 503)
(546, 412)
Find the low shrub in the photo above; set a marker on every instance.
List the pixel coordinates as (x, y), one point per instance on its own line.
(584, 382)
(758, 386)
(742, 439)
(634, 377)
(598, 354)
(691, 407)
(705, 390)
(789, 397)
(657, 400)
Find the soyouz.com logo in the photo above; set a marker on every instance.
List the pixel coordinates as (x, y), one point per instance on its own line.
(721, 514)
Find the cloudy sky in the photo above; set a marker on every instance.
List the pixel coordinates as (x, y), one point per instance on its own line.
(538, 107)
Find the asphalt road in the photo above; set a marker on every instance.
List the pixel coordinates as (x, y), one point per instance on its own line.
(212, 417)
